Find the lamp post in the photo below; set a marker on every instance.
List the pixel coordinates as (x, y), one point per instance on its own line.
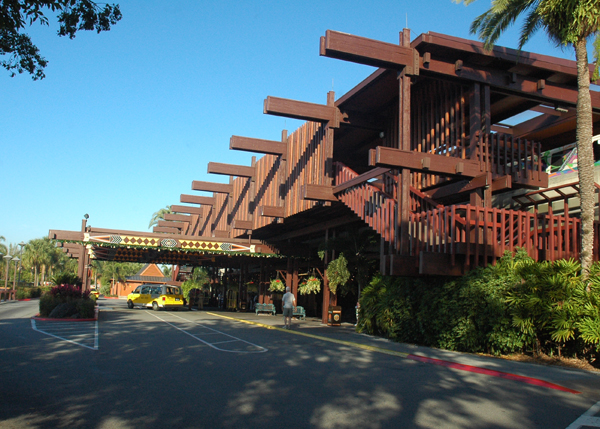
(7, 258)
(14, 289)
(21, 244)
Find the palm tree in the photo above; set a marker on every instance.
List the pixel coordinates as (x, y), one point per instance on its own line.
(3, 248)
(567, 23)
(159, 215)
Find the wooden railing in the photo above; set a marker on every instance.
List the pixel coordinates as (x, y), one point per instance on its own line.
(483, 234)
(369, 202)
(503, 155)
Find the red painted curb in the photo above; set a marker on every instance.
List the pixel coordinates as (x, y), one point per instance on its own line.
(493, 373)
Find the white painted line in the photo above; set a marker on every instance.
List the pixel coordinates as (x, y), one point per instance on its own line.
(587, 418)
(44, 331)
(260, 348)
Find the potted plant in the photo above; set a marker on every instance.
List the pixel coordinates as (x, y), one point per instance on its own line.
(277, 285)
(312, 285)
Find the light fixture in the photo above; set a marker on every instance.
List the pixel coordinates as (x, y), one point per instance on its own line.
(86, 216)
(381, 134)
(561, 109)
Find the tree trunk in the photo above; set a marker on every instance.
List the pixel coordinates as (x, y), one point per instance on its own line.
(585, 157)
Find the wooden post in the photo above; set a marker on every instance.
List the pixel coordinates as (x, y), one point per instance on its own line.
(404, 144)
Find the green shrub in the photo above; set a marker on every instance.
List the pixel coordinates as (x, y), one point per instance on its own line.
(105, 289)
(65, 301)
(514, 306)
(86, 308)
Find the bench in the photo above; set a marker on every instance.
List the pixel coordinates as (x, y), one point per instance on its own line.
(299, 312)
(266, 308)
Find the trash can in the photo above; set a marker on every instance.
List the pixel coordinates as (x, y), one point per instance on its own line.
(334, 317)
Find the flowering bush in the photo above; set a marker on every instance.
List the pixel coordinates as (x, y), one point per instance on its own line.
(277, 286)
(312, 285)
(67, 301)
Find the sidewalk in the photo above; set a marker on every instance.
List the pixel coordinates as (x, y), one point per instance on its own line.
(559, 378)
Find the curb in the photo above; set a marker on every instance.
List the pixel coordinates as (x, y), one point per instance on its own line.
(417, 358)
(67, 319)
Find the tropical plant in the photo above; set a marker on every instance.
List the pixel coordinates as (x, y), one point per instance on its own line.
(159, 215)
(355, 243)
(3, 248)
(566, 22)
(337, 273)
(197, 280)
(276, 285)
(66, 279)
(311, 285)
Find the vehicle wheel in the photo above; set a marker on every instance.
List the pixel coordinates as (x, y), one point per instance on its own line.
(129, 304)
(155, 306)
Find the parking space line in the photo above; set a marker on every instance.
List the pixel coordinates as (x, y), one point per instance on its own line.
(260, 349)
(587, 419)
(66, 328)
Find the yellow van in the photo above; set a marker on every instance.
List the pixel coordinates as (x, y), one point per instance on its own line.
(156, 296)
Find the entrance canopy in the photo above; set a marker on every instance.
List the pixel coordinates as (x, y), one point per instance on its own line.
(157, 248)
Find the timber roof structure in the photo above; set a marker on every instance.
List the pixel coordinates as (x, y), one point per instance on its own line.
(417, 152)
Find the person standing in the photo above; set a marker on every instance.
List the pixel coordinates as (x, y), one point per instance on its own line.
(288, 302)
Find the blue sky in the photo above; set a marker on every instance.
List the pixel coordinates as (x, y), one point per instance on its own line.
(126, 120)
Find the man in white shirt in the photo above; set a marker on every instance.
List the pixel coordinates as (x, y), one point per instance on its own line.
(288, 302)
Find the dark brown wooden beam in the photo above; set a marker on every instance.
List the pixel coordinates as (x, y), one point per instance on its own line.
(170, 224)
(241, 224)
(178, 217)
(165, 230)
(318, 192)
(230, 169)
(370, 52)
(258, 146)
(271, 211)
(187, 209)
(196, 199)
(438, 164)
(65, 235)
(546, 62)
(302, 110)
(221, 188)
(371, 174)
(522, 86)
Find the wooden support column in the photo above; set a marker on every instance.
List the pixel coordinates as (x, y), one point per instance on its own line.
(326, 291)
(288, 274)
(295, 279)
(404, 144)
(82, 250)
(328, 149)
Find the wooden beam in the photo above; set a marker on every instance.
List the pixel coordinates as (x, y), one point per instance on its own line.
(258, 145)
(218, 233)
(230, 169)
(522, 86)
(271, 211)
(371, 174)
(187, 209)
(221, 188)
(65, 235)
(165, 230)
(318, 192)
(302, 110)
(170, 224)
(558, 65)
(178, 217)
(439, 164)
(196, 199)
(241, 224)
(370, 52)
